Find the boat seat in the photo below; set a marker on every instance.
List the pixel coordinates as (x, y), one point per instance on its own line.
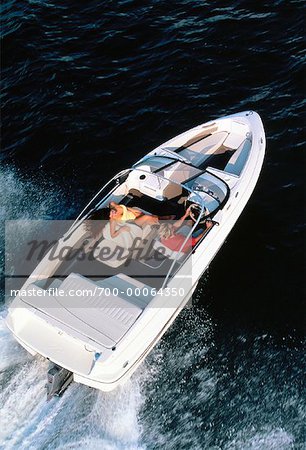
(172, 190)
(198, 152)
(110, 253)
(115, 251)
(239, 158)
(144, 248)
(206, 146)
(84, 308)
(171, 254)
(209, 144)
(206, 131)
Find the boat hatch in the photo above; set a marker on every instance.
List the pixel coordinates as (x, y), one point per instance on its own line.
(104, 319)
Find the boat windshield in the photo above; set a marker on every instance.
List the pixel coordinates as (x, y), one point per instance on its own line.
(172, 169)
(155, 163)
(210, 185)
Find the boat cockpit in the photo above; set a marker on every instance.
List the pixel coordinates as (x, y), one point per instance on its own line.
(157, 185)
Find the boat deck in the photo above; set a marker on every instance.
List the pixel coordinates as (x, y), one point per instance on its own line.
(151, 272)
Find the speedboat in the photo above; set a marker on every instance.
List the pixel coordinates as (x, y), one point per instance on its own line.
(100, 315)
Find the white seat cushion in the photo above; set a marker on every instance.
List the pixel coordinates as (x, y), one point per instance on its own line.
(110, 253)
(209, 144)
(239, 158)
(171, 254)
(126, 238)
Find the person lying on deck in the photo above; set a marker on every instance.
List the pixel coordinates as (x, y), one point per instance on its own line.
(171, 238)
(122, 213)
(117, 215)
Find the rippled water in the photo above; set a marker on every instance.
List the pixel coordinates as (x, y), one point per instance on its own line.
(86, 90)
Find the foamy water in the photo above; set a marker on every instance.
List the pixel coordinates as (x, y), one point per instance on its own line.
(189, 394)
(83, 417)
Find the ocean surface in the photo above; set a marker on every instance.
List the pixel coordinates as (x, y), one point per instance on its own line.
(88, 88)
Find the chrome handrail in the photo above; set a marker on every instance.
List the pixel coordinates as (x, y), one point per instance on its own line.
(76, 221)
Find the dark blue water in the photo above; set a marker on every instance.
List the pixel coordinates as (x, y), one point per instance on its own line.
(89, 87)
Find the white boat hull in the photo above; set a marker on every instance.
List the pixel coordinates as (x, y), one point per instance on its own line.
(70, 350)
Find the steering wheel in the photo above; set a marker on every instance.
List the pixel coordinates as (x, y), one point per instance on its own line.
(195, 211)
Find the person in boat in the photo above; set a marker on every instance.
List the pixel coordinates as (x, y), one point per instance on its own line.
(172, 239)
(118, 215)
(96, 222)
(121, 213)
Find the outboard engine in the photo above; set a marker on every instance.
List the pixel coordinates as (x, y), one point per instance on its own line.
(58, 379)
